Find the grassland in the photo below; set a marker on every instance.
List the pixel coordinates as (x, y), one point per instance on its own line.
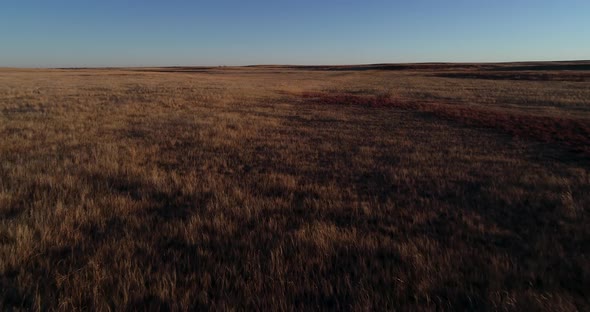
(385, 187)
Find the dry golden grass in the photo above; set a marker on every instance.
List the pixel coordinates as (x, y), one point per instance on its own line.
(222, 189)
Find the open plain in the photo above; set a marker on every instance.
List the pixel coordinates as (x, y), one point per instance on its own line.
(377, 187)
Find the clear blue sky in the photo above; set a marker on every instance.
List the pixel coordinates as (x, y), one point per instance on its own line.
(55, 33)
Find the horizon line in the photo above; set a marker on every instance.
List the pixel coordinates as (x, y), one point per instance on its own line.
(298, 65)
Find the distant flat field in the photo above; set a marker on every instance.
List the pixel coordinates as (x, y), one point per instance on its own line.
(369, 187)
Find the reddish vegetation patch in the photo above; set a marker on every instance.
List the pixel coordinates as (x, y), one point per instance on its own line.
(573, 134)
(533, 76)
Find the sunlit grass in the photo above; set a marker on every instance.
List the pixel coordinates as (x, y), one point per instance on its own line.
(226, 189)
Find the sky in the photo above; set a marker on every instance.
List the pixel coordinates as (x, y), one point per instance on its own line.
(83, 33)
